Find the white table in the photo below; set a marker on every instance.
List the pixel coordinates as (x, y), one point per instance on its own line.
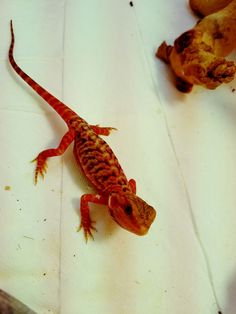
(99, 58)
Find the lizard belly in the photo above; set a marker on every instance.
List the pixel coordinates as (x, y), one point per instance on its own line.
(98, 162)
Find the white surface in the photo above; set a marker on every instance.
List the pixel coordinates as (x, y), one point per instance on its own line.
(98, 57)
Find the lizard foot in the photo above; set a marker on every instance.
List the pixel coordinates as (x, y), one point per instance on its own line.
(88, 228)
(102, 130)
(41, 168)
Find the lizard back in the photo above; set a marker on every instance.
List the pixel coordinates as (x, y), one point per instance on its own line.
(98, 161)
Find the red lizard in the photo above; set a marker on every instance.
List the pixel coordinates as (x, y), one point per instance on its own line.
(98, 163)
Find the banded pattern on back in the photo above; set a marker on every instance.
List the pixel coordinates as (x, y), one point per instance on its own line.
(98, 162)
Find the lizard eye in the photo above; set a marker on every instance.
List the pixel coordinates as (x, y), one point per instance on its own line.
(128, 210)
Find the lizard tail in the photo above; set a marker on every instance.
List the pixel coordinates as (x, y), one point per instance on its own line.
(65, 112)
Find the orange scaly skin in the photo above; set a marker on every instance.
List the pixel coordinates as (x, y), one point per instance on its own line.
(99, 164)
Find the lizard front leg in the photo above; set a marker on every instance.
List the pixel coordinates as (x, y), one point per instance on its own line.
(41, 159)
(87, 224)
(102, 130)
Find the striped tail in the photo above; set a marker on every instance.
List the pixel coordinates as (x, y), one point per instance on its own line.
(65, 112)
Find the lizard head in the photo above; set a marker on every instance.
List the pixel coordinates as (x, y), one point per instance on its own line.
(131, 212)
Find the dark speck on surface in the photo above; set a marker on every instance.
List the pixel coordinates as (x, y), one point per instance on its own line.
(131, 3)
(233, 90)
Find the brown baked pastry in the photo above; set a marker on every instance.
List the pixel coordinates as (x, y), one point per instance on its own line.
(198, 55)
(206, 7)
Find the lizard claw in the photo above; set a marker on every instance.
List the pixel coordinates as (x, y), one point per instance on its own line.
(88, 230)
(41, 168)
(109, 129)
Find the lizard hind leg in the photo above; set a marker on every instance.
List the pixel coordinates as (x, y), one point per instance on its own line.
(41, 159)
